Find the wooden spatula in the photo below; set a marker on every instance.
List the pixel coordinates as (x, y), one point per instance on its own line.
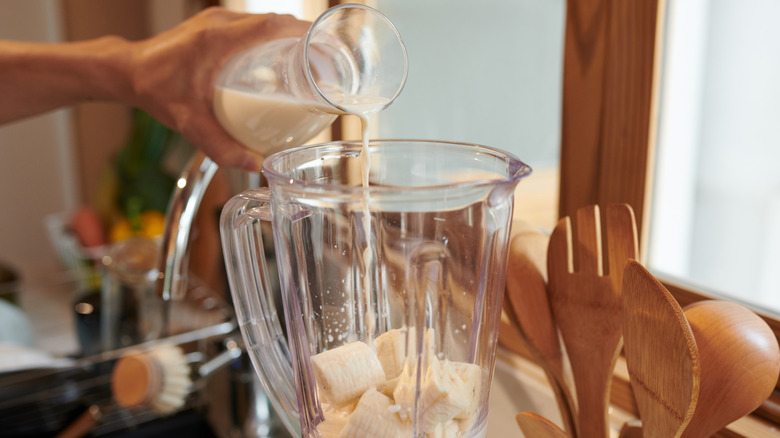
(536, 426)
(526, 288)
(661, 354)
(586, 304)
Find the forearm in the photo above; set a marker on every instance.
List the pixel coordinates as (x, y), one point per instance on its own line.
(170, 75)
(39, 77)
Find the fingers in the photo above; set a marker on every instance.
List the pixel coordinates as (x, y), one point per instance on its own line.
(178, 69)
(250, 29)
(232, 155)
(208, 136)
(264, 26)
(242, 30)
(237, 157)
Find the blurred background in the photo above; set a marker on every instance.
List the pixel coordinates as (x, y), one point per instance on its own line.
(486, 72)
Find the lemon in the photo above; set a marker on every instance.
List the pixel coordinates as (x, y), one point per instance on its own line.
(151, 224)
(121, 230)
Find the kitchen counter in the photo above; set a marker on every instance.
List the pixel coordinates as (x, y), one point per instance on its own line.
(518, 384)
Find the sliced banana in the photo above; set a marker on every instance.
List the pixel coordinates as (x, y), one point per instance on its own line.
(371, 392)
(334, 423)
(375, 416)
(394, 347)
(450, 429)
(346, 372)
(391, 352)
(388, 387)
(471, 376)
(443, 394)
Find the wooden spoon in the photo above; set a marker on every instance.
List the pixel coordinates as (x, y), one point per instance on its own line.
(740, 362)
(536, 426)
(661, 354)
(526, 288)
(587, 304)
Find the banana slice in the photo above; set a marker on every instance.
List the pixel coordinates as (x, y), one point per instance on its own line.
(388, 387)
(391, 348)
(471, 376)
(346, 372)
(375, 416)
(334, 423)
(391, 352)
(447, 392)
(371, 392)
(450, 429)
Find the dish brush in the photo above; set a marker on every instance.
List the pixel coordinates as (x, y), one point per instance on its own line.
(157, 379)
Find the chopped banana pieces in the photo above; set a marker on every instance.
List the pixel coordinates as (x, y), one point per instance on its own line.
(391, 348)
(450, 429)
(471, 376)
(374, 416)
(346, 372)
(444, 394)
(388, 387)
(372, 394)
(334, 423)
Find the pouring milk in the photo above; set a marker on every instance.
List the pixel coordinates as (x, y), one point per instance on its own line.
(279, 95)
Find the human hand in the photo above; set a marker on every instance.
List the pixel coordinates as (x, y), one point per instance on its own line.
(173, 75)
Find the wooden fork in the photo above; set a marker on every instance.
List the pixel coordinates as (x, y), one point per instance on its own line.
(586, 304)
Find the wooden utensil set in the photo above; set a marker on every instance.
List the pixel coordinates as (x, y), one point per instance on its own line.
(579, 298)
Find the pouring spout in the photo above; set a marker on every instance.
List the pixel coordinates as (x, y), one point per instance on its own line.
(503, 193)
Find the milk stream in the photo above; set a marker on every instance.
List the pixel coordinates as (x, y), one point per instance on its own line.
(365, 107)
(365, 110)
(270, 122)
(368, 253)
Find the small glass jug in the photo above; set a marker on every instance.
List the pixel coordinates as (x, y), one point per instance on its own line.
(392, 293)
(281, 93)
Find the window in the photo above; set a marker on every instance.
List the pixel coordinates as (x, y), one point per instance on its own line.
(716, 213)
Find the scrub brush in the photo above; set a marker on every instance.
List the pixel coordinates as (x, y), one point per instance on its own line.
(157, 379)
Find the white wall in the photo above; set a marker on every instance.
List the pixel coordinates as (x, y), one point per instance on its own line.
(37, 175)
(486, 72)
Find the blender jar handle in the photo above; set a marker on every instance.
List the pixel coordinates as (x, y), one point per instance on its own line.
(253, 300)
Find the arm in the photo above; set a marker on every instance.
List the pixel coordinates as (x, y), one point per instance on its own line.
(38, 77)
(170, 76)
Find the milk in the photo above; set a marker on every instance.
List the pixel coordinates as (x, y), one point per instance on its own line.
(269, 123)
(364, 107)
(368, 254)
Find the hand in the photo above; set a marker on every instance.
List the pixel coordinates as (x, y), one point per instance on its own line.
(173, 75)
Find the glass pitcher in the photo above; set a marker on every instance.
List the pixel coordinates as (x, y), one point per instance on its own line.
(392, 293)
(281, 93)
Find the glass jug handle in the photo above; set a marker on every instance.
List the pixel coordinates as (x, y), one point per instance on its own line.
(253, 300)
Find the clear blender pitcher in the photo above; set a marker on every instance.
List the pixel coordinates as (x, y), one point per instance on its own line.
(281, 93)
(392, 322)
